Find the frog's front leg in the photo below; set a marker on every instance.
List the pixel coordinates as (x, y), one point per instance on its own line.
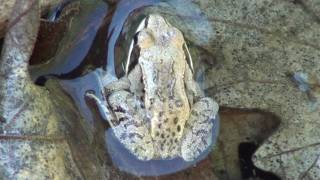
(132, 129)
(126, 115)
(101, 103)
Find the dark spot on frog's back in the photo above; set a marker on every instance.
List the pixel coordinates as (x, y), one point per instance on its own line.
(155, 76)
(178, 128)
(2, 119)
(173, 134)
(159, 94)
(151, 101)
(161, 146)
(123, 119)
(194, 113)
(166, 120)
(175, 120)
(142, 105)
(160, 114)
(118, 109)
(164, 141)
(178, 103)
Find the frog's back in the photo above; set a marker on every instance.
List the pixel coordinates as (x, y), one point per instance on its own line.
(163, 63)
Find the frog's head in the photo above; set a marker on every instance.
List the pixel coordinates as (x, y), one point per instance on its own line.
(157, 31)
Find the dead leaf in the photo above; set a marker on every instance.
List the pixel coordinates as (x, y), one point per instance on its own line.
(40, 131)
(256, 46)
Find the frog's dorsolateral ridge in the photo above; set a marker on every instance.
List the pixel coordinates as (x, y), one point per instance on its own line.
(158, 111)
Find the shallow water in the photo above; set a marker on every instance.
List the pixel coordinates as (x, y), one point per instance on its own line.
(120, 23)
(121, 29)
(76, 43)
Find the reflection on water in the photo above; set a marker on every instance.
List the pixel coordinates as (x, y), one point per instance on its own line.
(76, 43)
(55, 14)
(124, 21)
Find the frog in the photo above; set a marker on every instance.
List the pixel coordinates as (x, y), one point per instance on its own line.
(157, 110)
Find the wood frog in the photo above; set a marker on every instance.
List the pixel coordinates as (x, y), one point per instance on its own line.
(157, 110)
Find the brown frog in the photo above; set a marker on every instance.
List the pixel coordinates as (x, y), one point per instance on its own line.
(158, 111)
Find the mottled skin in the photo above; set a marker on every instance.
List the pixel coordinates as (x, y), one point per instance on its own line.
(158, 111)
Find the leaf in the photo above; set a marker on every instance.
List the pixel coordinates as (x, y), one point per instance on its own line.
(40, 132)
(258, 46)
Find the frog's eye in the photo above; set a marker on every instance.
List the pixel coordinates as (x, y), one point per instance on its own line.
(145, 39)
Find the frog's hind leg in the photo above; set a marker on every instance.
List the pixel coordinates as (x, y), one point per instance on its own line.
(201, 129)
(132, 129)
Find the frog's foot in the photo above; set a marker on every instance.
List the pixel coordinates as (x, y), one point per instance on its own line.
(121, 84)
(132, 128)
(201, 129)
(102, 107)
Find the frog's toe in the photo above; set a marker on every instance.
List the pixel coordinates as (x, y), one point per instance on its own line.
(136, 139)
(143, 153)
